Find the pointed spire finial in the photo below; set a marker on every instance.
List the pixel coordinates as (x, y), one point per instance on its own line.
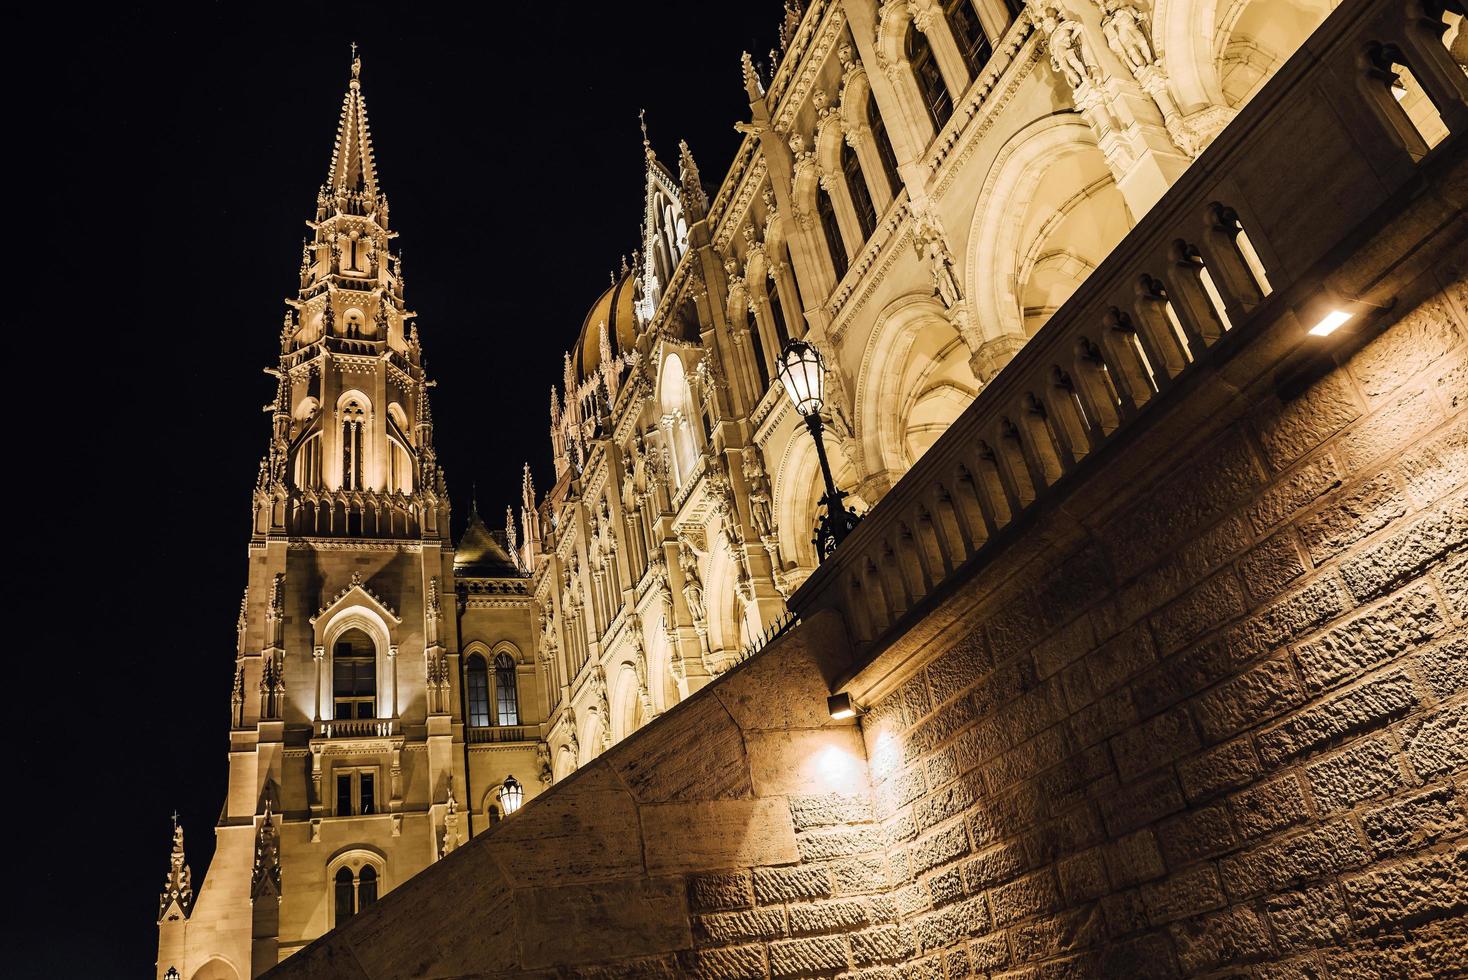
(646, 143)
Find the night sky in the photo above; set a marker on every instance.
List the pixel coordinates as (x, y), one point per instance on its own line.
(169, 159)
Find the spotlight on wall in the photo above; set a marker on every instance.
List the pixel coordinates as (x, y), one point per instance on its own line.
(1329, 322)
(511, 795)
(841, 707)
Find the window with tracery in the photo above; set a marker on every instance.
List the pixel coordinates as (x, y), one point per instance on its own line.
(928, 77)
(354, 445)
(354, 891)
(478, 687)
(507, 695)
(969, 35)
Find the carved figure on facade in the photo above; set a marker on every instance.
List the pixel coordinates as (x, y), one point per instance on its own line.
(932, 248)
(543, 763)
(1070, 52)
(603, 704)
(1126, 35)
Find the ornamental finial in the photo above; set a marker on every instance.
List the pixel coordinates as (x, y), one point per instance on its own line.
(356, 63)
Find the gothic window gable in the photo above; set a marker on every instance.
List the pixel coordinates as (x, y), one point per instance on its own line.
(665, 235)
(356, 617)
(357, 878)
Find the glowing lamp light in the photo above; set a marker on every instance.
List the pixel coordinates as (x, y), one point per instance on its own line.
(840, 706)
(511, 795)
(803, 374)
(1330, 322)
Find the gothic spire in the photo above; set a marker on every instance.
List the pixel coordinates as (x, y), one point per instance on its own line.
(352, 165)
(178, 889)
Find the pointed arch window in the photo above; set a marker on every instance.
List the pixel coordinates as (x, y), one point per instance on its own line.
(346, 895)
(506, 690)
(856, 186)
(354, 445)
(929, 78)
(969, 35)
(834, 244)
(353, 891)
(354, 676)
(478, 692)
(366, 887)
(884, 145)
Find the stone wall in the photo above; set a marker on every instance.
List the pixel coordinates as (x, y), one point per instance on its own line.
(1208, 715)
(1226, 722)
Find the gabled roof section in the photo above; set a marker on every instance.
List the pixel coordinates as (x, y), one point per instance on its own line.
(480, 554)
(352, 165)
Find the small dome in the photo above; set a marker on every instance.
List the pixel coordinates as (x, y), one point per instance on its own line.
(615, 308)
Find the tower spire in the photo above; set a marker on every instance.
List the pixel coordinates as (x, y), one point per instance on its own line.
(352, 165)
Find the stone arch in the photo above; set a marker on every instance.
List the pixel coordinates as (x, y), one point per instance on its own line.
(856, 88)
(590, 735)
(675, 402)
(1049, 188)
(565, 763)
(913, 382)
(797, 488)
(627, 710)
(216, 968)
(1182, 33)
(370, 622)
(721, 596)
(661, 682)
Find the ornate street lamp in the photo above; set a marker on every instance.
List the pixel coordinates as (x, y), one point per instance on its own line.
(803, 373)
(511, 794)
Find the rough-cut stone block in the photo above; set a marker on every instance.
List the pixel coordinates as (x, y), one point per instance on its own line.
(941, 767)
(959, 667)
(572, 836)
(828, 917)
(663, 769)
(1203, 608)
(577, 924)
(1407, 414)
(1291, 430)
(1445, 666)
(1314, 916)
(1064, 646)
(941, 726)
(1147, 957)
(1271, 566)
(1195, 834)
(1258, 696)
(1453, 577)
(1226, 767)
(730, 963)
(785, 687)
(801, 957)
(1269, 807)
(941, 929)
(727, 928)
(1181, 895)
(1373, 570)
(1311, 606)
(1364, 769)
(1352, 515)
(1137, 804)
(1415, 890)
(1134, 858)
(1031, 895)
(1437, 744)
(1413, 344)
(860, 875)
(989, 952)
(1157, 741)
(1369, 705)
(717, 834)
(1119, 659)
(808, 762)
(1082, 876)
(1057, 935)
(1382, 634)
(1235, 935)
(1415, 822)
(994, 867)
(939, 848)
(886, 944)
(827, 844)
(1293, 491)
(790, 883)
(1125, 912)
(1439, 466)
(946, 886)
(829, 809)
(719, 892)
(1324, 850)
(945, 804)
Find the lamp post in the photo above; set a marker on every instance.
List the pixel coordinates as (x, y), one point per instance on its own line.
(511, 794)
(803, 373)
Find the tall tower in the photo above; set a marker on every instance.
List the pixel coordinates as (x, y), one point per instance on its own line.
(347, 739)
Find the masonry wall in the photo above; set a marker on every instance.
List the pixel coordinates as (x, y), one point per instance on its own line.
(1209, 716)
(1226, 724)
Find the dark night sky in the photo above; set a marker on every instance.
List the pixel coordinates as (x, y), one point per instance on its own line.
(170, 158)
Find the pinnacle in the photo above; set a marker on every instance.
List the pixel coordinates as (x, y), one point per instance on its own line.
(353, 167)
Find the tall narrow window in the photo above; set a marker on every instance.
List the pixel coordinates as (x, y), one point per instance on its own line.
(354, 448)
(507, 698)
(757, 348)
(777, 314)
(478, 692)
(969, 35)
(833, 234)
(366, 793)
(354, 677)
(861, 198)
(366, 887)
(308, 462)
(883, 144)
(346, 899)
(929, 78)
(343, 794)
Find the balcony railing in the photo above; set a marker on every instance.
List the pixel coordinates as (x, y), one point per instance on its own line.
(1232, 247)
(482, 734)
(357, 728)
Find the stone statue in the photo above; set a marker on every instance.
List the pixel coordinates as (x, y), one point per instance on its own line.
(761, 508)
(1126, 35)
(927, 238)
(692, 584)
(1069, 53)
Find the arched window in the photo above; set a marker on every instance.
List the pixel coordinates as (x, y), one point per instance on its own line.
(507, 697)
(354, 676)
(478, 692)
(777, 314)
(308, 462)
(346, 895)
(366, 887)
(929, 78)
(757, 348)
(969, 35)
(884, 145)
(833, 234)
(856, 186)
(354, 445)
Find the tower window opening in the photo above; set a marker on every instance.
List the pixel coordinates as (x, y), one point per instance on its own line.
(354, 677)
(478, 688)
(507, 695)
(346, 895)
(354, 447)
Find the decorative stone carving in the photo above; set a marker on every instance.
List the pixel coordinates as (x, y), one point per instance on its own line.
(1070, 52)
